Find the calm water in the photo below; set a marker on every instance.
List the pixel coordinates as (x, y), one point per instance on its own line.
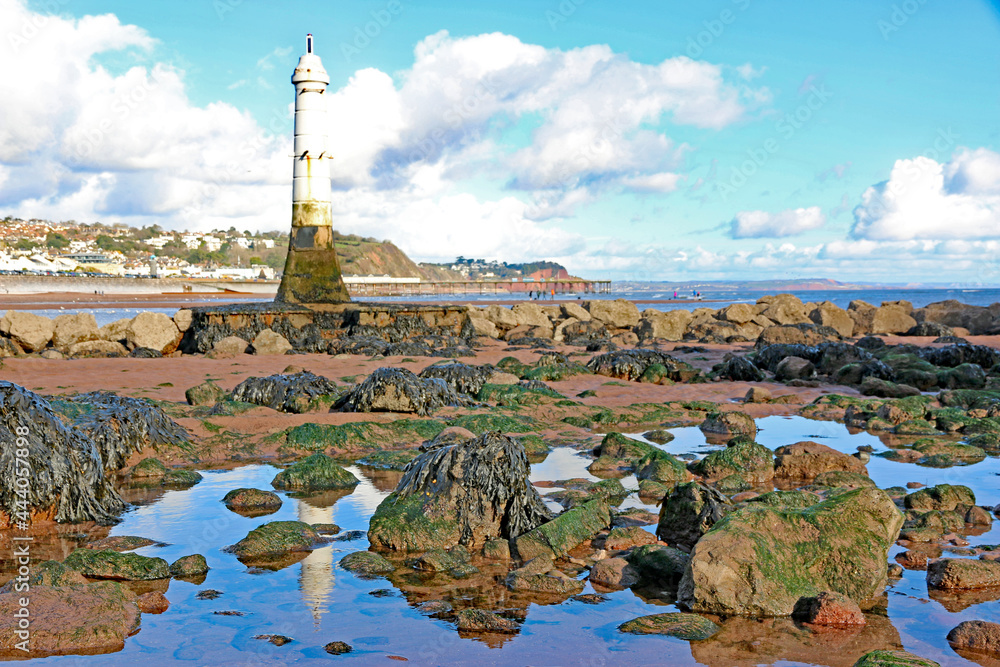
(316, 602)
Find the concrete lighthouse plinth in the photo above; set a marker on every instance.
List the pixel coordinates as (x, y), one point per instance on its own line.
(312, 272)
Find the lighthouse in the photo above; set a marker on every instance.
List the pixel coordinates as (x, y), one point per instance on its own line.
(312, 272)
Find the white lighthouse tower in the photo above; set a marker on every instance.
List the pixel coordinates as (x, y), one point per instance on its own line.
(312, 272)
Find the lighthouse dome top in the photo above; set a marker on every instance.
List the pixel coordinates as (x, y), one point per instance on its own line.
(310, 67)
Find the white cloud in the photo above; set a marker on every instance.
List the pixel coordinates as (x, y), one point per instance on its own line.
(761, 224)
(924, 199)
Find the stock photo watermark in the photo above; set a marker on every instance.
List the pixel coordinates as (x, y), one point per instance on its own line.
(363, 35)
(899, 16)
(32, 27)
(21, 544)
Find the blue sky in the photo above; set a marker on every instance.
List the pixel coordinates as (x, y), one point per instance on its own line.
(721, 139)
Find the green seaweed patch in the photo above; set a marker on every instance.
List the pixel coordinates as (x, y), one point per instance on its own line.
(360, 436)
(386, 459)
(314, 473)
(402, 525)
(555, 372)
(483, 423)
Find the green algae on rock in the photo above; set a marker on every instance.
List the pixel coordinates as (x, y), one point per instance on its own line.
(940, 497)
(691, 627)
(760, 560)
(109, 564)
(189, 566)
(367, 563)
(251, 499)
(560, 535)
(317, 472)
(275, 539)
(729, 424)
(742, 456)
(894, 659)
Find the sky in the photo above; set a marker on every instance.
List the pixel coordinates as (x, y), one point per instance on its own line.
(856, 140)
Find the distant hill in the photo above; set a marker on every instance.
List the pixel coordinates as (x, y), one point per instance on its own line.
(362, 256)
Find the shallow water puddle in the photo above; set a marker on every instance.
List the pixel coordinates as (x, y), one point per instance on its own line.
(316, 602)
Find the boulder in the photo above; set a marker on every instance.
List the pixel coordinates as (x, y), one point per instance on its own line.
(80, 618)
(758, 395)
(671, 325)
(268, 342)
(32, 332)
(738, 313)
(70, 329)
(626, 537)
(463, 493)
(785, 309)
(794, 368)
(613, 573)
(109, 564)
(738, 369)
(183, 319)
(206, 393)
(963, 573)
(245, 499)
(153, 602)
(189, 566)
(744, 457)
(398, 390)
(796, 334)
(977, 319)
(114, 331)
(531, 315)
(276, 539)
(557, 537)
(828, 315)
(806, 460)
(940, 497)
(154, 331)
(832, 609)
(658, 565)
(482, 326)
(501, 317)
(574, 310)
(690, 627)
(976, 637)
(286, 392)
(97, 348)
(460, 377)
(893, 659)
(760, 560)
(478, 620)
(317, 472)
(228, 348)
(617, 314)
(632, 364)
(891, 318)
(863, 314)
(367, 563)
(690, 511)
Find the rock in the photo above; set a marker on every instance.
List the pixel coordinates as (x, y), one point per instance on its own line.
(482, 326)
(228, 348)
(794, 368)
(558, 536)
(81, 618)
(553, 583)
(70, 329)
(729, 424)
(52, 354)
(478, 620)
(183, 319)
(743, 457)
(243, 500)
(940, 497)
(673, 624)
(891, 319)
(206, 393)
(54, 573)
(501, 317)
(295, 393)
(189, 566)
(626, 537)
(120, 543)
(806, 460)
(469, 493)
(828, 608)
(68, 481)
(964, 376)
(317, 472)
(689, 512)
(338, 648)
(738, 313)
(153, 602)
(618, 314)
(114, 331)
(155, 331)
(463, 378)
(613, 573)
(268, 342)
(398, 390)
(963, 573)
(977, 637)
(872, 386)
(758, 395)
(893, 659)
(31, 332)
(367, 563)
(631, 364)
(828, 315)
(108, 564)
(277, 640)
(738, 369)
(785, 309)
(658, 565)
(152, 472)
(670, 326)
(761, 559)
(97, 348)
(531, 315)
(275, 539)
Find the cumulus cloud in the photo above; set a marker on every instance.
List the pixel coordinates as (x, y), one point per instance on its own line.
(762, 224)
(925, 199)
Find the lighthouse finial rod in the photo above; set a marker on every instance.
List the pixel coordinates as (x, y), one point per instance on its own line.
(309, 43)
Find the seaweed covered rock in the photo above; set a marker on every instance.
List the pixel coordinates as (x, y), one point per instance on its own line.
(275, 539)
(206, 393)
(287, 393)
(760, 560)
(690, 511)
(317, 472)
(398, 390)
(631, 364)
(74, 618)
(557, 537)
(121, 425)
(658, 565)
(464, 493)
(189, 566)
(62, 469)
(940, 497)
(367, 563)
(460, 378)
(152, 472)
(894, 659)
(729, 424)
(619, 452)
(806, 460)
(691, 627)
(742, 456)
(738, 369)
(252, 502)
(109, 564)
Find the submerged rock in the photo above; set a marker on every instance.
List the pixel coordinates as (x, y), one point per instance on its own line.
(62, 466)
(478, 620)
(189, 566)
(963, 573)
(806, 460)
(894, 659)
(275, 539)
(367, 563)
(398, 390)
(466, 493)
(108, 564)
(760, 560)
(251, 500)
(294, 392)
(317, 472)
(691, 627)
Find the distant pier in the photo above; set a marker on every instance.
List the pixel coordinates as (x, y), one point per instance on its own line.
(377, 286)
